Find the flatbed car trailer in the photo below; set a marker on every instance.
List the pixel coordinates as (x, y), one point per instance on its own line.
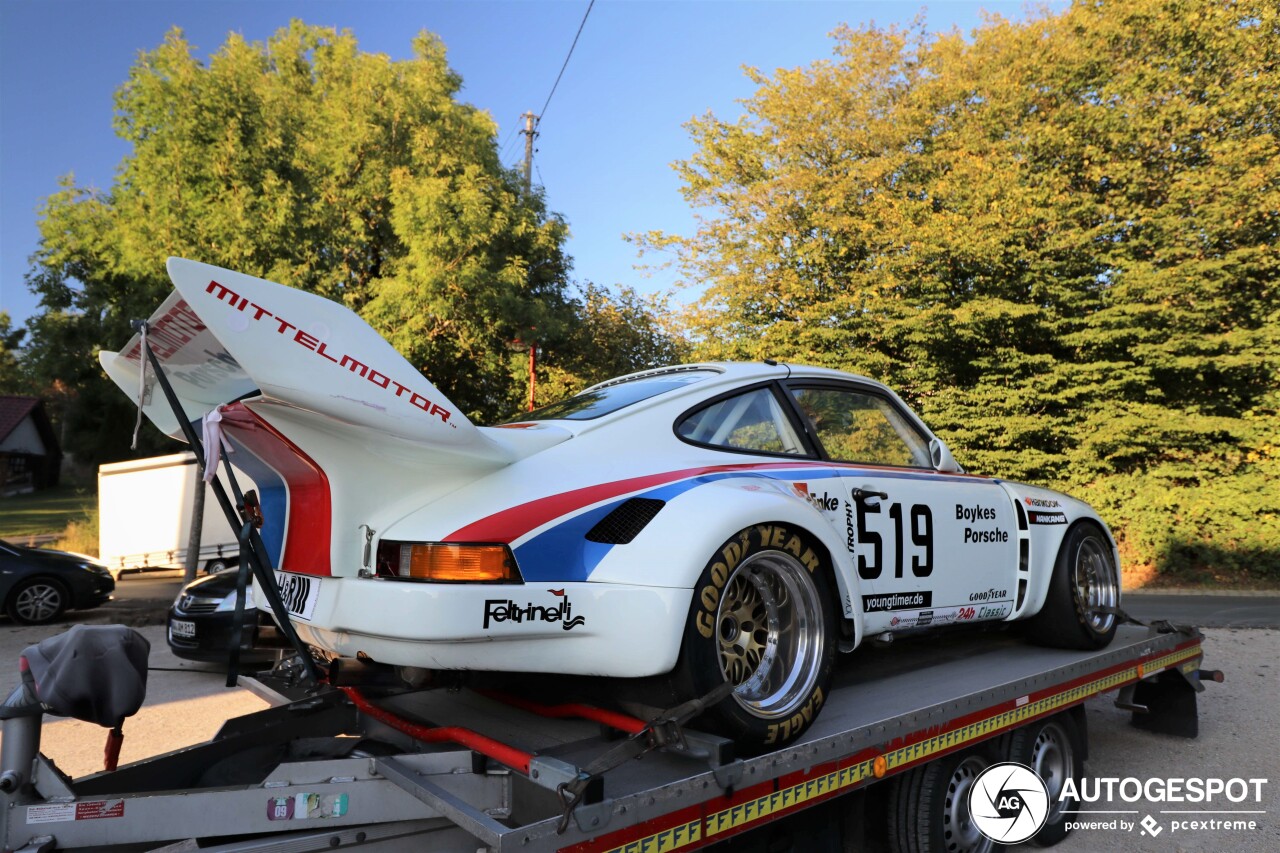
(355, 762)
(336, 769)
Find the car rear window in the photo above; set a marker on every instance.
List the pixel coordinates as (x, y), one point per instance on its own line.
(611, 397)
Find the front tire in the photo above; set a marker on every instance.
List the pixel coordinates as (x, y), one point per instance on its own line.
(763, 618)
(1084, 593)
(37, 601)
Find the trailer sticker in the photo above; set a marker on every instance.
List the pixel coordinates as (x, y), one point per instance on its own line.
(762, 802)
(307, 806)
(62, 812)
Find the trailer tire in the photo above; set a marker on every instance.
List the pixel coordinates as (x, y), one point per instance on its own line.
(929, 806)
(1054, 749)
(218, 564)
(763, 617)
(1084, 592)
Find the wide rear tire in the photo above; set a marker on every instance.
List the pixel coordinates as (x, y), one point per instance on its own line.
(763, 618)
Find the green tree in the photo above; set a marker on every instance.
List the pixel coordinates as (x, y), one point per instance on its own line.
(613, 334)
(307, 162)
(1056, 237)
(12, 378)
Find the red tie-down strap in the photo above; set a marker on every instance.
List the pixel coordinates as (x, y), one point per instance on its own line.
(516, 759)
(570, 711)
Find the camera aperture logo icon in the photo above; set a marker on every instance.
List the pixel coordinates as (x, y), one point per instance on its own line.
(1008, 802)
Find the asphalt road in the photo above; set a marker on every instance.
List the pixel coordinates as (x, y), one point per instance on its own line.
(1216, 610)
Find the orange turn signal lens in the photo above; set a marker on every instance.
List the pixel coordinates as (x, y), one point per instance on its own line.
(450, 563)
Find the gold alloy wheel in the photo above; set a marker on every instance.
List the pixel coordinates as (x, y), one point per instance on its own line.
(770, 633)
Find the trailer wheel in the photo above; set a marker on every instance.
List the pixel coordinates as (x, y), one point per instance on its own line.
(1054, 749)
(1084, 592)
(929, 806)
(763, 618)
(218, 564)
(37, 601)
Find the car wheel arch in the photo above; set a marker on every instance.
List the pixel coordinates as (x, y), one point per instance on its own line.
(734, 508)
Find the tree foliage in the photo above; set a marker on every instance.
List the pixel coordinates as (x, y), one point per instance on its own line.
(12, 378)
(1056, 236)
(307, 162)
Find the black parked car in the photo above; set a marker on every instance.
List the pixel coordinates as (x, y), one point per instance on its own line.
(38, 585)
(203, 614)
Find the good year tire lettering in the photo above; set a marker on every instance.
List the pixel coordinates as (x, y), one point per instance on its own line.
(762, 536)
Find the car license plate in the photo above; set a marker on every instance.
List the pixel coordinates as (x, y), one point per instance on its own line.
(184, 630)
(299, 593)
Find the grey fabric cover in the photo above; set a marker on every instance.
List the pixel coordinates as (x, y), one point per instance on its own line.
(95, 673)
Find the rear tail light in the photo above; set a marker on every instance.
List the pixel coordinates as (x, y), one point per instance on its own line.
(447, 562)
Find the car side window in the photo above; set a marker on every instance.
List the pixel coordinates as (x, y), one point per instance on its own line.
(859, 426)
(750, 421)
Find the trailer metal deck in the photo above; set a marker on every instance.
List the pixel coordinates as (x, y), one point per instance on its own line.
(315, 774)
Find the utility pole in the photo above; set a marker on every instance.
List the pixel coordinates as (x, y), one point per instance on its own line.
(529, 134)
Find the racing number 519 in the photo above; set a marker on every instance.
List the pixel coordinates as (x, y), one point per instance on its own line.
(921, 537)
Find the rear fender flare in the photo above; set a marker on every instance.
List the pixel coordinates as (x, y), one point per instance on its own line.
(675, 546)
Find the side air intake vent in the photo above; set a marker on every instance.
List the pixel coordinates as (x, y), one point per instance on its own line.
(625, 523)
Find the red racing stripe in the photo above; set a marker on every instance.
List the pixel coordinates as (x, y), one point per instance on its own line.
(306, 541)
(509, 525)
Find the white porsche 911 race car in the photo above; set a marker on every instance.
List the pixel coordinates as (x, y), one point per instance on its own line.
(717, 522)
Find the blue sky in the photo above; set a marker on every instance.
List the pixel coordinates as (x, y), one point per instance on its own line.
(640, 70)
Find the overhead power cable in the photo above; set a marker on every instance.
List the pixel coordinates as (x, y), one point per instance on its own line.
(542, 114)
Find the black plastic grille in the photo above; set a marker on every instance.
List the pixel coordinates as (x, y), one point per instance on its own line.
(625, 523)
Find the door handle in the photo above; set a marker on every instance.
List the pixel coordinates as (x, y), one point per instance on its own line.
(863, 494)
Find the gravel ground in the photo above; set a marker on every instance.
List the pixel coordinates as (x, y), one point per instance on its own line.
(1239, 738)
(186, 704)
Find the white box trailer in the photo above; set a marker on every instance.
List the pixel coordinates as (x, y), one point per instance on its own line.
(144, 516)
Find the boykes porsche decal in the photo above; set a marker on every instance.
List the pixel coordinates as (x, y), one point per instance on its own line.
(498, 610)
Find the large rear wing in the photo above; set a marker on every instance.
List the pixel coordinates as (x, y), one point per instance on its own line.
(223, 335)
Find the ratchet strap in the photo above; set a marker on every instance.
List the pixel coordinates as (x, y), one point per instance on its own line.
(257, 559)
(662, 731)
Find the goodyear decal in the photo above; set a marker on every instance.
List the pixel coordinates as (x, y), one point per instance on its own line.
(692, 832)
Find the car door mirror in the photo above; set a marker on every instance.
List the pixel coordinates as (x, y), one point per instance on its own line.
(942, 458)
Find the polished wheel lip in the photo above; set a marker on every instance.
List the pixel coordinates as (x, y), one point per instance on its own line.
(1097, 587)
(772, 608)
(38, 602)
(965, 835)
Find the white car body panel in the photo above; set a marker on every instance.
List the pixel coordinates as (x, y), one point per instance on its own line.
(353, 448)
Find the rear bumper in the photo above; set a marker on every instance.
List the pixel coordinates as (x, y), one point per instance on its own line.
(571, 628)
